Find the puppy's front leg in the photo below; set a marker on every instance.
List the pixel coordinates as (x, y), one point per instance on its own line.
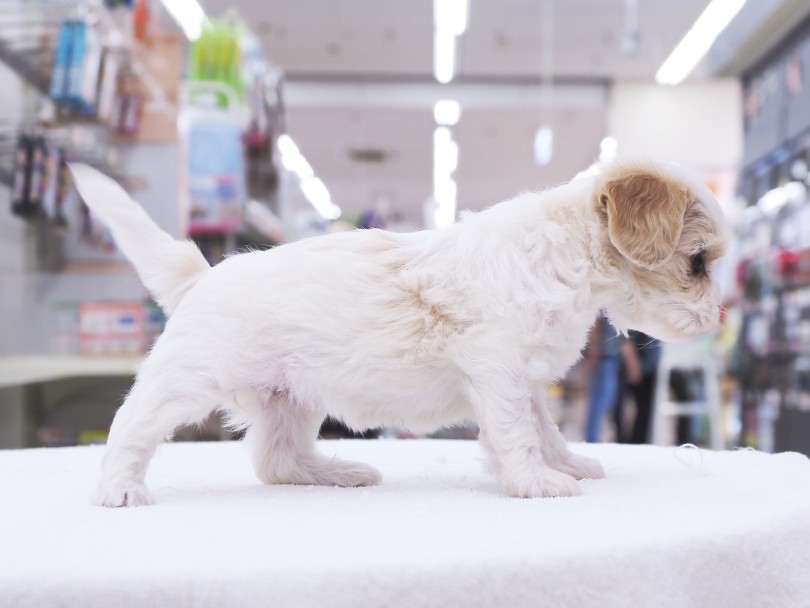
(555, 449)
(509, 435)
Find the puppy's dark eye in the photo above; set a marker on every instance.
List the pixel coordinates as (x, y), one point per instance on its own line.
(698, 264)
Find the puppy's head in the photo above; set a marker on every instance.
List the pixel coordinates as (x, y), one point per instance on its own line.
(663, 231)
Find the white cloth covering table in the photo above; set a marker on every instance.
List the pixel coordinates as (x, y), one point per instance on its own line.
(668, 527)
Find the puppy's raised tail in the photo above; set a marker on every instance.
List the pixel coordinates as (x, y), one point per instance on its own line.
(167, 267)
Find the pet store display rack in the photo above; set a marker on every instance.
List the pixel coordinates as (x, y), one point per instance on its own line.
(29, 37)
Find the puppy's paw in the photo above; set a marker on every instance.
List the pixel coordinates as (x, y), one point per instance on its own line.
(581, 467)
(123, 495)
(546, 483)
(346, 474)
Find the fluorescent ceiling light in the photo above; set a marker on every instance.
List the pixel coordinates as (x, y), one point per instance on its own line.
(317, 194)
(445, 162)
(444, 216)
(451, 16)
(449, 21)
(313, 188)
(543, 146)
(445, 152)
(287, 146)
(189, 16)
(444, 191)
(444, 56)
(303, 169)
(698, 40)
(446, 112)
(290, 154)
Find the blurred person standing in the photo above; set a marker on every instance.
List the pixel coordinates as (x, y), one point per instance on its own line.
(607, 351)
(647, 352)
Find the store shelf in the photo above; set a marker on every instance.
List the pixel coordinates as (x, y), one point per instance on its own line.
(20, 63)
(17, 371)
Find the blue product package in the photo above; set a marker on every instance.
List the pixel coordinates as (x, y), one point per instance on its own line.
(78, 52)
(215, 177)
(58, 88)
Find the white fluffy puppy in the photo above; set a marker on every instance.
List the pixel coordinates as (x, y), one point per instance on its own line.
(417, 330)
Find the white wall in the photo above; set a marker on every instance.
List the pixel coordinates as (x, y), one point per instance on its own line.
(698, 125)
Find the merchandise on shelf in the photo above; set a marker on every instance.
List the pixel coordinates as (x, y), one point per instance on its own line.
(77, 66)
(108, 86)
(140, 20)
(20, 203)
(118, 328)
(58, 88)
(216, 57)
(215, 177)
(214, 164)
(40, 179)
(127, 108)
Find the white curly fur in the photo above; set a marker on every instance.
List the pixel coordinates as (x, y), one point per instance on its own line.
(416, 330)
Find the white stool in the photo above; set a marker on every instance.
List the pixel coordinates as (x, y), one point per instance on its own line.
(700, 356)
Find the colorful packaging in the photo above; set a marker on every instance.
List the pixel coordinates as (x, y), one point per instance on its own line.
(77, 56)
(215, 178)
(38, 178)
(108, 86)
(63, 181)
(20, 185)
(88, 91)
(58, 88)
(111, 328)
(118, 328)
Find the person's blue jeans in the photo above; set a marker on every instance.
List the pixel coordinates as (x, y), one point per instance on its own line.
(604, 390)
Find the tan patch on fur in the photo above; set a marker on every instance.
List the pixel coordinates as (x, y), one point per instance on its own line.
(434, 324)
(645, 212)
(699, 233)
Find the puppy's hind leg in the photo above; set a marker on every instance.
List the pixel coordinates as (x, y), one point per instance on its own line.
(152, 411)
(281, 438)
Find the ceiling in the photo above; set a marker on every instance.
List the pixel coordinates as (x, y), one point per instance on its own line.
(359, 77)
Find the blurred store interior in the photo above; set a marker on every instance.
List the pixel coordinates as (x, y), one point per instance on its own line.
(246, 124)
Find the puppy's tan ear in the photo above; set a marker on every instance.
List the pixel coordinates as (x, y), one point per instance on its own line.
(645, 211)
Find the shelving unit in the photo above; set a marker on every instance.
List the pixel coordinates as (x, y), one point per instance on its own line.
(30, 374)
(773, 357)
(30, 369)
(28, 40)
(774, 374)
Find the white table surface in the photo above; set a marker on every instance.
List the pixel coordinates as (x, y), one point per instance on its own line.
(668, 527)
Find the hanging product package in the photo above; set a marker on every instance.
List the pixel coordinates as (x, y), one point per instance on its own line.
(26, 198)
(76, 66)
(127, 107)
(51, 188)
(213, 163)
(210, 128)
(108, 85)
(63, 181)
(38, 179)
(61, 61)
(89, 73)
